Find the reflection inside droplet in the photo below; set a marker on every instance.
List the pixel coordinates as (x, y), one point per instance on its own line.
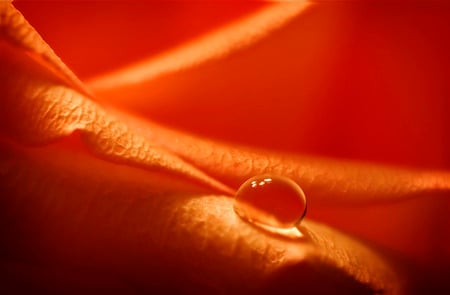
(274, 203)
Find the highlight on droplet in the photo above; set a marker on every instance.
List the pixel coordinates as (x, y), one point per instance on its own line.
(274, 203)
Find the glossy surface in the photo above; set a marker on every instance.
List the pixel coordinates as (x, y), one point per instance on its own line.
(271, 201)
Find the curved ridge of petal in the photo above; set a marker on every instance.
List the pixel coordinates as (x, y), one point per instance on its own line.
(38, 109)
(215, 45)
(331, 182)
(15, 29)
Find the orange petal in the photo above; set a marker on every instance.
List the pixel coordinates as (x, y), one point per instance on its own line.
(63, 211)
(16, 30)
(138, 223)
(397, 207)
(342, 79)
(328, 181)
(94, 38)
(215, 45)
(336, 81)
(39, 108)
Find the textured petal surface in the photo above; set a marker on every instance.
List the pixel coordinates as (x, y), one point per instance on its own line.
(90, 191)
(40, 108)
(134, 226)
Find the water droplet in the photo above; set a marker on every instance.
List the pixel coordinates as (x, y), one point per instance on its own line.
(275, 203)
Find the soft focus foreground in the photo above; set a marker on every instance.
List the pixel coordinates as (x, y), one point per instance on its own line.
(100, 194)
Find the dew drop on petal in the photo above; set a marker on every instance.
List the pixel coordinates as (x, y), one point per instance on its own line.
(273, 202)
